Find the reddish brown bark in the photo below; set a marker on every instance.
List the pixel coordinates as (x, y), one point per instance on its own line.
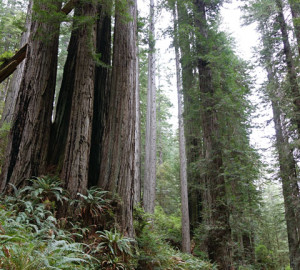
(29, 136)
(76, 158)
(117, 166)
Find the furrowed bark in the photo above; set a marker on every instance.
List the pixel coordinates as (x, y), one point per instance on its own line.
(117, 164)
(102, 91)
(76, 158)
(29, 136)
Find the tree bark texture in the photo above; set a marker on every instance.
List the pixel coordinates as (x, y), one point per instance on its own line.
(29, 136)
(185, 221)
(102, 91)
(150, 150)
(60, 126)
(219, 234)
(14, 86)
(76, 159)
(292, 74)
(118, 160)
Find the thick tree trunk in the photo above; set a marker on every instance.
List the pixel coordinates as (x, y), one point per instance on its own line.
(29, 136)
(219, 234)
(118, 160)
(185, 221)
(60, 126)
(14, 86)
(102, 91)
(292, 74)
(76, 158)
(150, 159)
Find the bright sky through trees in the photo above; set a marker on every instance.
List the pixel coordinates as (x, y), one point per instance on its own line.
(246, 38)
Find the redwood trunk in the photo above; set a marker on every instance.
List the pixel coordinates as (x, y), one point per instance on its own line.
(118, 160)
(76, 158)
(60, 126)
(29, 136)
(102, 92)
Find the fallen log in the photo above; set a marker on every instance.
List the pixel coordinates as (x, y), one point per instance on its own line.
(11, 64)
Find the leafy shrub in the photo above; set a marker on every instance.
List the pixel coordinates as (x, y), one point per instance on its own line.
(116, 250)
(264, 258)
(92, 206)
(155, 253)
(168, 226)
(30, 240)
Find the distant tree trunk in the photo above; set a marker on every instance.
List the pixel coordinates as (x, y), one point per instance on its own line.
(102, 91)
(137, 172)
(118, 160)
(29, 136)
(78, 143)
(292, 74)
(191, 116)
(295, 11)
(14, 85)
(150, 159)
(219, 234)
(185, 221)
(288, 175)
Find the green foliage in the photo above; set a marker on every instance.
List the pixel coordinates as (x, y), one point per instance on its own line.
(264, 258)
(116, 250)
(168, 226)
(30, 236)
(154, 252)
(92, 206)
(12, 21)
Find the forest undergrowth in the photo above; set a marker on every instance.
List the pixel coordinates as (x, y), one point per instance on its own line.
(36, 234)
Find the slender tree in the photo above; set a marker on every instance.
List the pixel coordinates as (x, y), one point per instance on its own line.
(185, 221)
(191, 115)
(150, 159)
(290, 63)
